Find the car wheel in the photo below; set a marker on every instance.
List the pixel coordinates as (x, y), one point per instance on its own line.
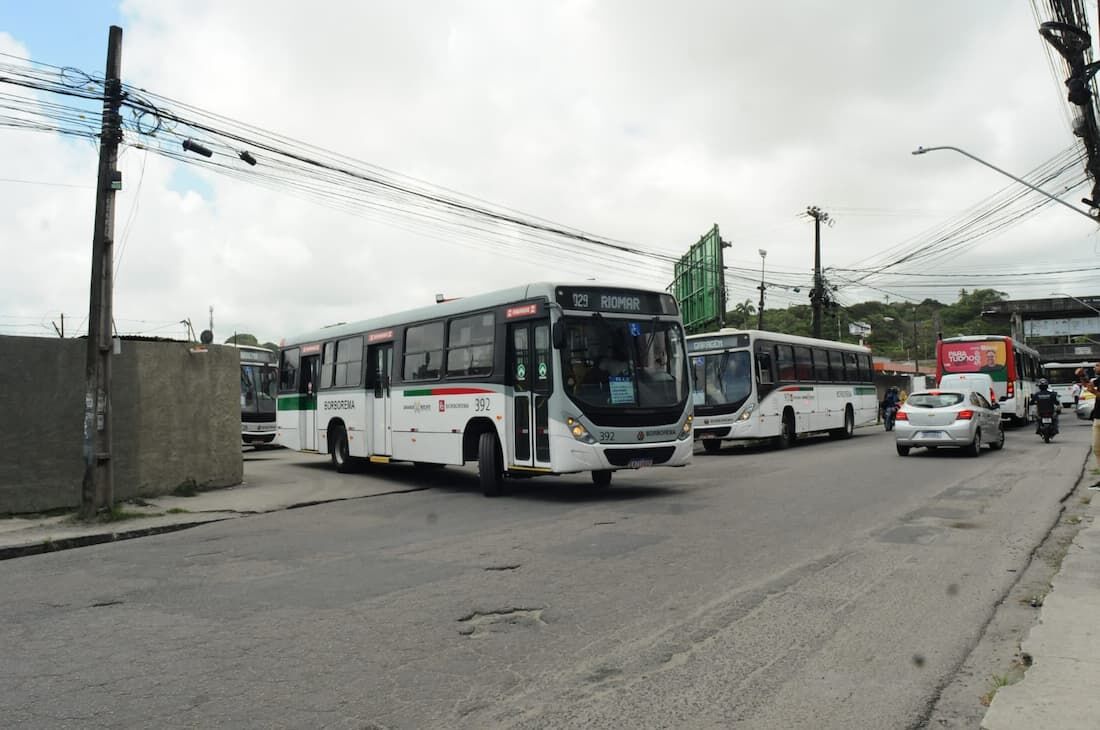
(712, 446)
(903, 450)
(490, 465)
(1000, 442)
(975, 447)
(601, 477)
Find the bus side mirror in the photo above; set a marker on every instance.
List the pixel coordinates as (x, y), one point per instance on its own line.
(557, 335)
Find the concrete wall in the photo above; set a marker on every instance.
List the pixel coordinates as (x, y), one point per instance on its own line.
(176, 420)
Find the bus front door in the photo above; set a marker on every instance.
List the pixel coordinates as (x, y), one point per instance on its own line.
(307, 388)
(531, 377)
(381, 364)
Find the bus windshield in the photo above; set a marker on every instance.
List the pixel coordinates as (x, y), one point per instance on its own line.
(721, 378)
(259, 388)
(624, 363)
(975, 357)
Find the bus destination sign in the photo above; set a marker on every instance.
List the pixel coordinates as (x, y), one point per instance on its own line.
(626, 301)
(717, 342)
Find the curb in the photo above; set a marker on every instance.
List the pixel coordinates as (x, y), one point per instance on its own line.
(69, 543)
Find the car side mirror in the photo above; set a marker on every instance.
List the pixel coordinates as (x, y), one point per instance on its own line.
(996, 406)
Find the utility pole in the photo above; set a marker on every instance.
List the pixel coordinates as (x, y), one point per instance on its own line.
(60, 331)
(916, 362)
(760, 311)
(722, 279)
(97, 489)
(818, 295)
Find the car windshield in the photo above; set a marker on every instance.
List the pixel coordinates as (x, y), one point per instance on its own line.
(721, 379)
(624, 363)
(934, 400)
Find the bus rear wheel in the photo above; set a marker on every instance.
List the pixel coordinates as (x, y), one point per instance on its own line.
(341, 458)
(490, 465)
(849, 427)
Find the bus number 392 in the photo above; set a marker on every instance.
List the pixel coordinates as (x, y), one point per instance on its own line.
(482, 404)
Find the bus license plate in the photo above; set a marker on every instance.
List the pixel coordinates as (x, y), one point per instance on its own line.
(639, 463)
(1048, 420)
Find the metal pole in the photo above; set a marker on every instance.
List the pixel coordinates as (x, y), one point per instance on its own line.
(1025, 183)
(760, 311)
(916, 365)
(817, 273)
(97, 488)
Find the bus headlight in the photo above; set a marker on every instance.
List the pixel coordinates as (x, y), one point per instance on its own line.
(685, 432)
(745, 414)
(579, 431)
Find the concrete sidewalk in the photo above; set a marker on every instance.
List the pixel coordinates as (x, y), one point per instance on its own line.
(274, 480)
(1061, 688)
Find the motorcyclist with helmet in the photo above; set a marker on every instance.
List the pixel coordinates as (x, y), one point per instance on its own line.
(1047, 404)
(889, 407)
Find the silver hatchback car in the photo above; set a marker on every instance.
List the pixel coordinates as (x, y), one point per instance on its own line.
(953, 418)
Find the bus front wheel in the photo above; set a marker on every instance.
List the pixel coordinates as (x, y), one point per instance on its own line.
(490, 466)
(787, 432)
(601, 477)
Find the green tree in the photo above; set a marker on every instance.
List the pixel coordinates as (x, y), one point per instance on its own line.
(243, 339)
(742, 316)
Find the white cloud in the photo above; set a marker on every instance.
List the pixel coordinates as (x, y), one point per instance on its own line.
(639, 121)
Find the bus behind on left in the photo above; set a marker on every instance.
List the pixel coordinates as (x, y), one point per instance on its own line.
(259, 391)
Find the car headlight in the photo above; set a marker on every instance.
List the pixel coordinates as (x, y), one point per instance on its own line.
(579, 431)
(685, 432)
(747, 412)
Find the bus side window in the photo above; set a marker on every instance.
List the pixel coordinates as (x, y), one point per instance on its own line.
(851, 367)
(836, 366)
(328, 364)
(764, 368)
(784, 361)
(803, 363)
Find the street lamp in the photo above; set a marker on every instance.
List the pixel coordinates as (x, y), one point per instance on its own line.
(1025, 183)
(760, 311)
(1083, 304)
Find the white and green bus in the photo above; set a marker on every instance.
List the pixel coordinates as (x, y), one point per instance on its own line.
(750, 384)
(539, 379)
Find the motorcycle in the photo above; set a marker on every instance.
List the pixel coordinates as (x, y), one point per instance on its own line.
(889, 415)
(1048, 427)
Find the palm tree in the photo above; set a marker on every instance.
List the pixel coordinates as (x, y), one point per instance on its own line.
(741, 315)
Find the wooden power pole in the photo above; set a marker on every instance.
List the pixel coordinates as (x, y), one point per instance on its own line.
(818, 297)
(97, 490)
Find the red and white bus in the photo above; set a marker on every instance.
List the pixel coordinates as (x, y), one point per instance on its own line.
(1013, 366)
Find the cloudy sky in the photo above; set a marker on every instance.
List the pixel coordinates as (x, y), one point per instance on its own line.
(642, 122)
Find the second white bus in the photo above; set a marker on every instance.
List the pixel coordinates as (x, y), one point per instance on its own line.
(751, 384)
(1061, 376)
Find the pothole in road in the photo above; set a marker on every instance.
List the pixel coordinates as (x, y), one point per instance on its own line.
(480, 623)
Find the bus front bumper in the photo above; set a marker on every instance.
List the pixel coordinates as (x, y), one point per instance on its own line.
(598, 457)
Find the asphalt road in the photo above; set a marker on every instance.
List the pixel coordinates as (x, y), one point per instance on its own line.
(833, 585)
